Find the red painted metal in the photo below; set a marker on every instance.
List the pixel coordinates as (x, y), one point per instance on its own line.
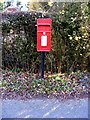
(44, 34)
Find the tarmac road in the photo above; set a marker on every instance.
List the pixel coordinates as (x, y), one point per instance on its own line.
(45, 108)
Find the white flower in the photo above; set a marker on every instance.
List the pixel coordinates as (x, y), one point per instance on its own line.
(62, 12)
(84, 47)
(70, 38)
(83, 27)
(11, 31)
(85, 17)
(50, 3)
(76, 38)
(80, 54)
(79, 37)
(87, 46)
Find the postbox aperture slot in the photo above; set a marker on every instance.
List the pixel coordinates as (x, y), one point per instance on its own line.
(44, 24)
(44, 28)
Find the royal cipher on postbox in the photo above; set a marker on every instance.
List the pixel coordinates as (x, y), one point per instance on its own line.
(44, 34)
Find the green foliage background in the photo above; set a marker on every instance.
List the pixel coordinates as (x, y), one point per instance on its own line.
(70, 49)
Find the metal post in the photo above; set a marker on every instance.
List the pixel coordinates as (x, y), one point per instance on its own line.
(42, 65)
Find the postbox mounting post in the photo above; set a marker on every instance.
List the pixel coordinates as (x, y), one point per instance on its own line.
(42, 64)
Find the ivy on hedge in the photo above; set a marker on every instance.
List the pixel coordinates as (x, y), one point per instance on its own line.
(19, 40)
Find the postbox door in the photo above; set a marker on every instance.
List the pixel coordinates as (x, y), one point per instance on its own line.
(44, 42)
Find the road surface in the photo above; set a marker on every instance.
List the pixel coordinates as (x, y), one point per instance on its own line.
(45, 108)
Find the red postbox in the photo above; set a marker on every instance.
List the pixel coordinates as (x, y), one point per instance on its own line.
(44, 34)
